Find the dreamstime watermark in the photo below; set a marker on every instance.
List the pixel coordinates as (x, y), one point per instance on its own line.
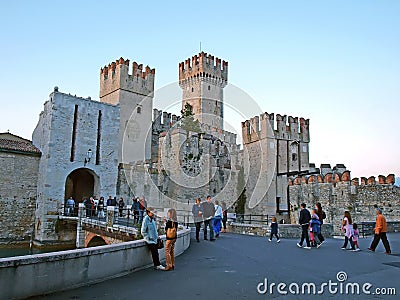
(340, 286)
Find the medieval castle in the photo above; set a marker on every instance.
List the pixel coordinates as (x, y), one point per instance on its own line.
(122, 146)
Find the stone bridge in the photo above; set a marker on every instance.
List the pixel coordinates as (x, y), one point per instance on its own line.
(91, 232)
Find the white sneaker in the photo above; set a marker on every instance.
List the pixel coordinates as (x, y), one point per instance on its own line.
(269, 240)
(160, 267)
(306, 247)
(356, 250)
(278, 241)
(343, 248)
(300, 246)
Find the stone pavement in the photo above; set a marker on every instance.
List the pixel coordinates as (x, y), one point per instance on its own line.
(234, 265)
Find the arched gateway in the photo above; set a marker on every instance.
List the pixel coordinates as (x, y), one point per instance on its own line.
(82, 183)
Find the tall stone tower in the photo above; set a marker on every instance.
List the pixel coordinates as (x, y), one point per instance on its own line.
(276, 147)
(134, 93)
(202, 80)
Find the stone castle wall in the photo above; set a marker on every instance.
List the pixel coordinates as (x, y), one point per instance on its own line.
(18, 179)
(96, 128)
(336, 196)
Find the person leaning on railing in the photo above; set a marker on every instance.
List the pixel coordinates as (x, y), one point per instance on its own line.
(150, 235)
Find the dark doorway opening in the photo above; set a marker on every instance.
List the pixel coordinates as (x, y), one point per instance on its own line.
(96, 241)
(80, 184)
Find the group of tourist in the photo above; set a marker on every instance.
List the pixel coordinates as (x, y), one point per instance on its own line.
(311, 230)
(95, 207)
(311, 233)
(212, 215)
(311, 224)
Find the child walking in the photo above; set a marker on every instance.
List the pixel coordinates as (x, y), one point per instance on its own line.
(315, 228)
(356, 235)
(274, 230)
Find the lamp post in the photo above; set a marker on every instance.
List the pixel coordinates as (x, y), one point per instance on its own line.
(89, 155)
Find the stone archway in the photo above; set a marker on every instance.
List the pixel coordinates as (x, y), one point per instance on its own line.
(81, 183)
(96, 241)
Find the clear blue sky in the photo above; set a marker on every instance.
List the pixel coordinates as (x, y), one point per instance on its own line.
(335, 62)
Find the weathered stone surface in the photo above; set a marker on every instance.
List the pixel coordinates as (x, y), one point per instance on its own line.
(18, 178)
(361, 201)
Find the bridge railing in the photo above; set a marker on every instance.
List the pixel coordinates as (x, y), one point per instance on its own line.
(366, 228)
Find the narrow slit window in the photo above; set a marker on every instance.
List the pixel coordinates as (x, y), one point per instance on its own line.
(98, 144)
(74, 129)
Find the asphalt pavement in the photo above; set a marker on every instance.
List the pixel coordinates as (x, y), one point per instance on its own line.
(238, 266)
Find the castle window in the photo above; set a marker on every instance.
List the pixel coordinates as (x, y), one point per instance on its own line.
(98, 144)
(192, 90)
(74, 130)
(294, 157)
(209, 87)
(139, 110)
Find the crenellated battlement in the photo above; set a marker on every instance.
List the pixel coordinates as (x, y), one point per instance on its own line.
(137, 70)
(203, 66)
(337, 177)
(163, 121)
(280, 127)
(116, 76)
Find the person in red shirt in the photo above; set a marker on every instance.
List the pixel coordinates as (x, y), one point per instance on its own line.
(380, 233)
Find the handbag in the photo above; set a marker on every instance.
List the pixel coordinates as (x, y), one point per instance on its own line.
(171, 232)
(160, 243)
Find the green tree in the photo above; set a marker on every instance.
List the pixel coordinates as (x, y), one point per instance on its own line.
(188, 122)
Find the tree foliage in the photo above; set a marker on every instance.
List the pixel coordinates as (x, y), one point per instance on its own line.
(188, 122)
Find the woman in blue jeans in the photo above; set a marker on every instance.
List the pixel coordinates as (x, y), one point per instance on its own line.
(150, 234)
(217, 219)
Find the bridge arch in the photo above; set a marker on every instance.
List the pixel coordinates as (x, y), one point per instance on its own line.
(95, 241)
(82, 183)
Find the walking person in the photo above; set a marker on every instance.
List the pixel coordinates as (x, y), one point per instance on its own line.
(150, 235)
(274, 230)
(380, 233)
(356, 235)
(70, 206)
(142, 207)
(224, 216)
(88, 206)
(197, 211)
(315, 229)
(321, 217)
(91, 203)
(121, 205)
(171, 229)
(208, 215)
(347, 227)
(109, 201)
(135, 210)
(304, 221)
(100, 208)
(217, 219)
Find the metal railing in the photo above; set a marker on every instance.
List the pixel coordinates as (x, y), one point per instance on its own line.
(251, 218)
(124, 216)
(367, 228)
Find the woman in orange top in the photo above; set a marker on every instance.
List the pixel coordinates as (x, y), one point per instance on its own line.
(380, 233)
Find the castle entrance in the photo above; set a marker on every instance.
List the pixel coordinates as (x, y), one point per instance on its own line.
(81, 183)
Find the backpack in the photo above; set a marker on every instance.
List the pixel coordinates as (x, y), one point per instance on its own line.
(171, 232)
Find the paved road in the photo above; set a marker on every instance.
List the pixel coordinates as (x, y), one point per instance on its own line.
(232, 267)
